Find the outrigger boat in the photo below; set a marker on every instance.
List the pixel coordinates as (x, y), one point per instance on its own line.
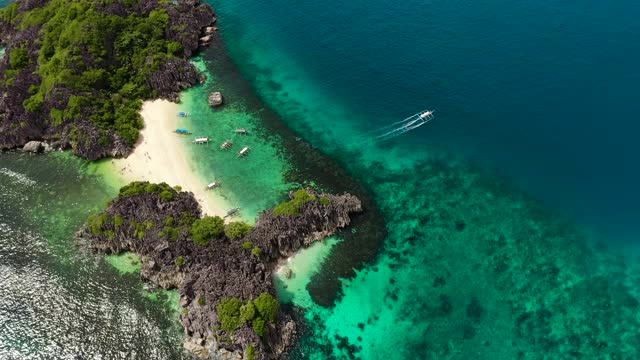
(213, 185)
(201, 140)
(232, 212)
(183, 132)
(183, 114)
(422, 119)
(399, 127)
(226, 144)
(426, 115)
(244, 151)
(242, 131)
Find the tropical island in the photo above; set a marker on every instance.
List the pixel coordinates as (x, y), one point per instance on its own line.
(75, 73)
(222, 271)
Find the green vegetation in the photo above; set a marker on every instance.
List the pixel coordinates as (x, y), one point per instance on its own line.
(247, 311)
(95, 223)
(179, 261)
(18, 58)
(205, 229)
(228, 311)
(8, 14)
(186, 219)
(166, 195)
(291, 207)
(324, 201)
(171, 232)
(247, 245)
(259, 312)
(138, 229)
(103, 59)
(249, 352)
(267, 307)
(236, 229)
(117, 221)
(201, 301)
(259, 326)
(144, 187)
(255, 251)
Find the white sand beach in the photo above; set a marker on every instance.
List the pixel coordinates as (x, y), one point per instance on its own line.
(160, 156)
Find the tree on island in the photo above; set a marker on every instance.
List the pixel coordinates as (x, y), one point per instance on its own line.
(205, 229)
(236, 229)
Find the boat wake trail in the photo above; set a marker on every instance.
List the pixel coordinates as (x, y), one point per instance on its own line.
(397, 128)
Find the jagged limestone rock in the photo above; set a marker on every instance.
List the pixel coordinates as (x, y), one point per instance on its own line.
(157, 229)
(215, 99)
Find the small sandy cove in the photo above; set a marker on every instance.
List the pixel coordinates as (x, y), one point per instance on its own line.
(160, 156)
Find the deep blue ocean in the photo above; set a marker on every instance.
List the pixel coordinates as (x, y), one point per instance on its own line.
(544, 92)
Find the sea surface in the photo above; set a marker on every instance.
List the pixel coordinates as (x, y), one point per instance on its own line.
(507, 214)
(509, 221)
(58, 301)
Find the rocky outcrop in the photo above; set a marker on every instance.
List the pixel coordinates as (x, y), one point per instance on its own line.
(33, 146)
(215, 99)
(157, 227)
(172, 77)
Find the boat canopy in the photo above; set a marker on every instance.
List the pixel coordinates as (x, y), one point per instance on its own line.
(182, 131)
(183, 114)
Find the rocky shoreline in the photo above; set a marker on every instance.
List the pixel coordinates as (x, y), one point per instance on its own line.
(225, 281)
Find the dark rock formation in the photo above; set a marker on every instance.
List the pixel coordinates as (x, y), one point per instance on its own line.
(215, 99)
(157, 229)
(171, 77)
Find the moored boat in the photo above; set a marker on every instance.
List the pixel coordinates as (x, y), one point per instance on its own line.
(244, 151)
(232, 212)
(201, 140)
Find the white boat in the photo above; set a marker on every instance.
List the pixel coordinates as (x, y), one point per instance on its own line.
(242, 131)
(426, 115)
(226, 144)
(201, 140)
(244, 151)
(213, 185)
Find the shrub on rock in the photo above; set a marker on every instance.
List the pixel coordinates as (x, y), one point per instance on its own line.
(205, 229)
(236, 229)
(267, 306)
(228, 310)
(247, 311)
(259, 326)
